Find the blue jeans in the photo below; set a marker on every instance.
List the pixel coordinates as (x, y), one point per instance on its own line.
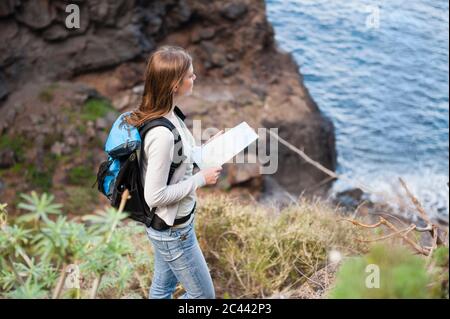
(178, 258)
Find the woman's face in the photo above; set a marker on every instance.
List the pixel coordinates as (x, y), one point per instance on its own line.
(187, 84)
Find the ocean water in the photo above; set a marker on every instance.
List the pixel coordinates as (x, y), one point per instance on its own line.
(380, 71)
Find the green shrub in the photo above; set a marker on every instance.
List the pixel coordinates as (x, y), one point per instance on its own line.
(17, 144)
(251, 251)
(41, 243)
(401, 275)
(81, 175)
(439, 273)
(80, 199)
(47, 94)
(95, 108)
(41, 179)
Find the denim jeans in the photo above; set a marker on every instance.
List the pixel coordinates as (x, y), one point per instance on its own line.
(178, 259)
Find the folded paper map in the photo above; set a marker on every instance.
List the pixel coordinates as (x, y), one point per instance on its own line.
(224, 147)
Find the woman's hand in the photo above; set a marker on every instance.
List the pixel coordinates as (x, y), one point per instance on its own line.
(213, 137)
(211, 174)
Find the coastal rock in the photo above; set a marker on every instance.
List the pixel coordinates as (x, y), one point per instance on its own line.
(239, 173)
(110, 12)
(230, 69)
(312, 135)
(59, 32)
(36, 14)
(241, 74)
(3, 87)
(7, 7)
(153, 23)
(180, 14)
(350, 198)
(234, 11)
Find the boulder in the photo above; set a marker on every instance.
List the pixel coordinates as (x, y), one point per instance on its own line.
(7, 158)
(178, 15)
(4, 90)
(242, 73)
(7, 7)
(234, 11)
(240, 173)
(36, 14)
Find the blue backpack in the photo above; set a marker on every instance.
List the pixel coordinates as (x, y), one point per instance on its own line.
(122, 171)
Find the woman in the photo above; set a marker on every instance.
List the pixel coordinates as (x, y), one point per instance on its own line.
(169, 77)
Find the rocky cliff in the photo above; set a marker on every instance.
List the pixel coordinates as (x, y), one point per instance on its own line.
(56, 84)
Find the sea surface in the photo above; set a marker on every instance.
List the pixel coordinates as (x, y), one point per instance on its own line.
(380, 71)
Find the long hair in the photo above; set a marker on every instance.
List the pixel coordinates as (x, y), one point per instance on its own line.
(165, 69)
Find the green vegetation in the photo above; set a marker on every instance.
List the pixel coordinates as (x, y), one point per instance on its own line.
(81, 175)
(17, 168)
(80, 199)
(47, 95)
(95, 108)
(71, 114)
(398, 274)
(51, 139)
(41, 179)
(251, 251)
(38, 247)
(17, 144)
(82, 128)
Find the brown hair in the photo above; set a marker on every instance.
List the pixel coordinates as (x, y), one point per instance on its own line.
(165, 69)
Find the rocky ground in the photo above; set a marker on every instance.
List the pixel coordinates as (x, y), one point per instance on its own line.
(61, 89)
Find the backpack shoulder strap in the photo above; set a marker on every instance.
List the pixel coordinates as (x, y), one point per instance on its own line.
(178, 148)
(162, 121)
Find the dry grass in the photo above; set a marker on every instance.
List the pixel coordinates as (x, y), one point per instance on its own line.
(254, 253)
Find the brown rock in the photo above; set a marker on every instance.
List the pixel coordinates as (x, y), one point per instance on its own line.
(101, 123)
(218, 59)
(241, 74)
(122, 102)
(207, 33)
(234, 11)
(71, 141)
(36, 14)
(59, 32)
(238, 173)
(195, 36)
(313, 135)
(57, 148)
(108, 12)
(230, 69)
(7, 158)
(4, 90)
(154, 24)
(178, 15)
(7, 7)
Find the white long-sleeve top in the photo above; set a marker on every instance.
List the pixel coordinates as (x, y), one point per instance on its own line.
(178, 198)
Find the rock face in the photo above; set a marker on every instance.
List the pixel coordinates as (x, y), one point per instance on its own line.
(241, 75)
